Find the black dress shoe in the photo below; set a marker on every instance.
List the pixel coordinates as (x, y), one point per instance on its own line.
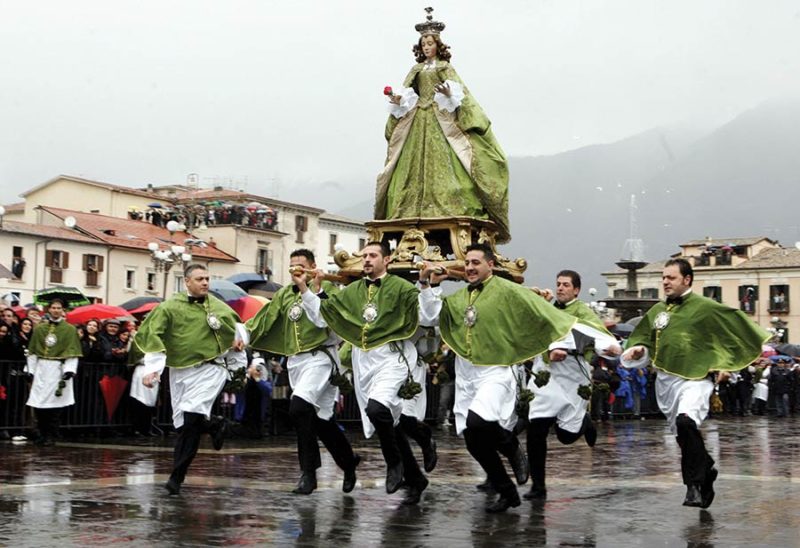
(509, 500)
(172, 487)
(486, 486)
(519, 463)
(414, 493)
(429, 456)
(394, 478)
(536, 493)
(694, 496)
(306, 484)
(349, 482)
(589, 431)
(218, 431)
(707, 491)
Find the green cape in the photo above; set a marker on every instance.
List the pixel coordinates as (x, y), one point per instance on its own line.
(271, 329)
(397, 306)
(68, 344)
(587, 316)
(180, 329)
(513, 324)
(701, 336)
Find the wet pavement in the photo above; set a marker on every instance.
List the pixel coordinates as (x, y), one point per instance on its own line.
(624, 492)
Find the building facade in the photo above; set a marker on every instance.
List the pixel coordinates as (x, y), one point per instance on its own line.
(756, 275)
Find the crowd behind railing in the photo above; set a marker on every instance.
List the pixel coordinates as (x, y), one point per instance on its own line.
(194, 216)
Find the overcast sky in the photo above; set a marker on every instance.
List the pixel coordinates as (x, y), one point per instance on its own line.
(290, 91)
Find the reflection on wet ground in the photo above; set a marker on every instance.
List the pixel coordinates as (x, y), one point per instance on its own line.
(624, 492)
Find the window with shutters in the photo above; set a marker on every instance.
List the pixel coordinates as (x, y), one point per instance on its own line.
(151, 280)
(93, 266)
(300, 227)
(264, 262)
(57, 261)
(17, 262)
(779, 298)
(649, 293)
(130, 278)
(332, 241)
(748, 298)
(713, 292)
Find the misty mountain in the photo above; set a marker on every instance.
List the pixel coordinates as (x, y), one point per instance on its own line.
(572, 210)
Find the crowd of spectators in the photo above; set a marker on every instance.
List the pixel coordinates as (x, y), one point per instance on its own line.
(210, 213)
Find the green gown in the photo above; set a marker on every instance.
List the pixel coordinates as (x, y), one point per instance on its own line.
(442, 164)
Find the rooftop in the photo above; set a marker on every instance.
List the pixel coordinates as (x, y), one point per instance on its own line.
(109, 186)
(728, 241)
(44, 231)
(132, 234)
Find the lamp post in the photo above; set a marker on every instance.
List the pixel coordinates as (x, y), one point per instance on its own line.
(165, 259)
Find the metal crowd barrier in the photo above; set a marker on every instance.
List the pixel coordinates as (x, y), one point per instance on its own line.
(89, 411)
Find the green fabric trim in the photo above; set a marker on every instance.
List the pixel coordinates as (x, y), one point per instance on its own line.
(702, 336)
(68, 343)
(181, 331)
(513, 324)
(398, 312)
(271, 330)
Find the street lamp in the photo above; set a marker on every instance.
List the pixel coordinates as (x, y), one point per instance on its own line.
(164, 259)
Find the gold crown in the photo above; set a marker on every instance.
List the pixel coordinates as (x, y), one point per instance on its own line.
(429, 26)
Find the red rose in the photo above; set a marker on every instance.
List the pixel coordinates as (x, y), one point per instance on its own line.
(388, 91)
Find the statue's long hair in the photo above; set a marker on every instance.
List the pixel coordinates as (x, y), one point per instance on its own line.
(442, 50)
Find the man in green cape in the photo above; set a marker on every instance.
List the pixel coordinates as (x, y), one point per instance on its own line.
(199, 338)
(557, 403)
(53, 355)
(377, 315)
(491, 325)
(687, 338)
(282, 327)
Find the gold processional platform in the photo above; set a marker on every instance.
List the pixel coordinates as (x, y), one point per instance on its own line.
(441, 240)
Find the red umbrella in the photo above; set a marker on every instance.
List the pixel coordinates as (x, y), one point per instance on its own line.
(246, 307)
(112, 389)
(144, 309)
(83, 314)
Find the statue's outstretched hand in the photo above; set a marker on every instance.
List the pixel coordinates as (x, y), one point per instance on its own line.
(394, 99)
(444, 89)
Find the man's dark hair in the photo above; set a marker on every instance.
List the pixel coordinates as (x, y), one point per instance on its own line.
(307, 253)
(385, 251)
(187, 272)
(488, 254)
(572, 275)
(684, 266)
(56, 300)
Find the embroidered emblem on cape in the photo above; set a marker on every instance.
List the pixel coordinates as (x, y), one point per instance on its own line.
(295, 312)
(661, 321)
(50, 340)
(370, 312)
(470, 316)
(213, 322)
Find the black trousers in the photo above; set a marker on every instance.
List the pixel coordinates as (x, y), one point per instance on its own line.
(394, 444)
(538, 430)
(695, 460)
(141, 416)
(418, 431)
(194, 426)
(484, 442)
(48, 421)
(309, 428)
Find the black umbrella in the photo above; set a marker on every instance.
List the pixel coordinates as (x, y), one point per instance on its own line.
(269, 288)
(246, 280)
(137, 302)
(622, 330)
(71, 296)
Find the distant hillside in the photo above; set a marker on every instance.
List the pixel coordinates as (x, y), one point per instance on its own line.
(571, 210)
